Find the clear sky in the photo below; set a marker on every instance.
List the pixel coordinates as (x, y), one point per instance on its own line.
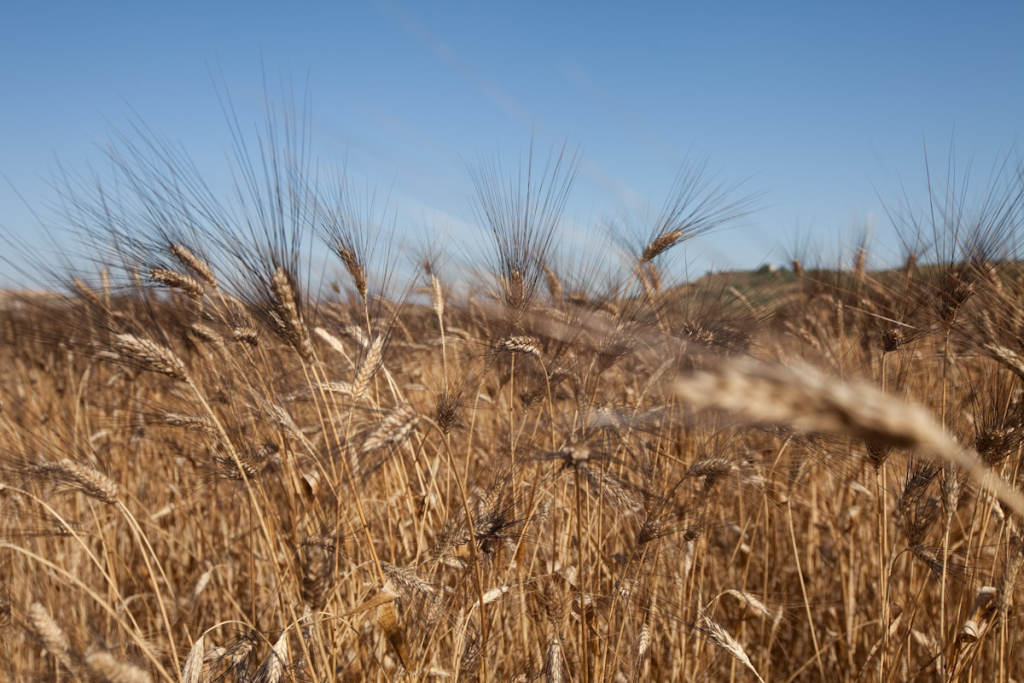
(825, 106)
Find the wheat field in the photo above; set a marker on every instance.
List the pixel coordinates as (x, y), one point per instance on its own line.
(223, 461)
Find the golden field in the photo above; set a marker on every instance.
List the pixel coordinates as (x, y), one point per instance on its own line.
(219, 465)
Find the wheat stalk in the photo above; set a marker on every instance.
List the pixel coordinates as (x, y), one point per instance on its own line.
(807, 402)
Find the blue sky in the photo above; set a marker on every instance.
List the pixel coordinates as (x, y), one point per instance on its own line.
(824, 106)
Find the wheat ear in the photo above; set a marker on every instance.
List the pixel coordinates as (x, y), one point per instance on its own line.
(50, 633)
(112, 670)
(198, 266)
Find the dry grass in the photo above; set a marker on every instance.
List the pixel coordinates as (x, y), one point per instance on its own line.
(217, 473)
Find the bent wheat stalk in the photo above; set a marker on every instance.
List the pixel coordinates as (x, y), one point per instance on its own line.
(808, 402)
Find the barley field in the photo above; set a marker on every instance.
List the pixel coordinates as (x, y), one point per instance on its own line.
(225, 460)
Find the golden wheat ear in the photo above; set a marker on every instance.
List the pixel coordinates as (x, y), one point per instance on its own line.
(52, 636)
(723, 639)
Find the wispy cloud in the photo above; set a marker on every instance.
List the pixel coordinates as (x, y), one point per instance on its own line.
(503, 100)
(634, 128)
